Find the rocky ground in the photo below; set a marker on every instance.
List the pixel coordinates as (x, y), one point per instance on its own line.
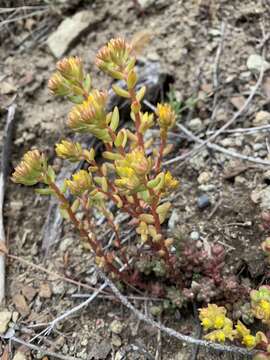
(212, 51)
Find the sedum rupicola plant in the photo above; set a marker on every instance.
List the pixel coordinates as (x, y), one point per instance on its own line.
(214, 318)
(130, 174)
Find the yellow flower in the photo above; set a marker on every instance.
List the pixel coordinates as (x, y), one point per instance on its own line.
(243, 332)
(132, 170)
(69, 150)
(115, 58)
(81, 182)
(170, 183)
(90, 116)
(216, 336)
(71, 68)
(147, 121)
(213, 317)
(166, 116)
(31, 169)
(260, 303)
(224, 332)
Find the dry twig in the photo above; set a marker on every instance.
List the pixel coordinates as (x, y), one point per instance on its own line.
(229, 123)
(221, 149)
(169, 331)
(42, 350)
(8, 131)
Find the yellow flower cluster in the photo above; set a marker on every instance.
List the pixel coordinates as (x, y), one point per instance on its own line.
(214, 318)
(260, 303)
(70, 78)
(166, 116)
(132, 170)
(31, 169)
(81, 182)
(90, 116)
(116, 58)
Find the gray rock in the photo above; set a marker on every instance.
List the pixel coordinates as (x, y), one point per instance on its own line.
(204, 177)
(207, 187)
(255, 61)
(195, 124)
(69, 31)
(5, 317)
(264, 198)
(19, 356)
(174, 219)
(116, 340)
(262, 118)
(66, 243)
(203, 201)
(194, 236)
(99, 351)
(257, 147)
(116, 327)
(144, 4)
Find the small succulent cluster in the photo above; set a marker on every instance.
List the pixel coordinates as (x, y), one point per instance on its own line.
(214, 318)
(130, 174)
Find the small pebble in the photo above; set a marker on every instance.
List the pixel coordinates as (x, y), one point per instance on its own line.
(195, 124)
(204, 177)
(207, 187)
(203, 201)
(194, 236)
(116, 327)
(257, 147)
(116, 340)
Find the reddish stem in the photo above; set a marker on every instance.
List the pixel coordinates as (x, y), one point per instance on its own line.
(160, 156)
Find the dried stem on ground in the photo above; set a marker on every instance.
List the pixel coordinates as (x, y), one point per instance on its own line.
(229, 123)
(8, 131)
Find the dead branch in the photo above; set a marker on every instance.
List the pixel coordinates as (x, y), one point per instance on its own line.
(42, 350)
(8, 132)
(53, 323)
(169, 331)
(221, 149)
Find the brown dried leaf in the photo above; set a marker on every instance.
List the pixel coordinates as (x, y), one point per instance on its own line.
(45, 291)
(29, 292)
(21, 304)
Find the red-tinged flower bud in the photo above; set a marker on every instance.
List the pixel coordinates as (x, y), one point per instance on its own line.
(71, 68)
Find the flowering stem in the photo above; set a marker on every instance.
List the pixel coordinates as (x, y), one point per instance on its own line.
(84, 234)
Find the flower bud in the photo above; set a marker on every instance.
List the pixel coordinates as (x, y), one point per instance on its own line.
(58, 85)
(115, 58)
(81, 182)
(71, 68)
(31, 170)
(69, 150)
(166, 116)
